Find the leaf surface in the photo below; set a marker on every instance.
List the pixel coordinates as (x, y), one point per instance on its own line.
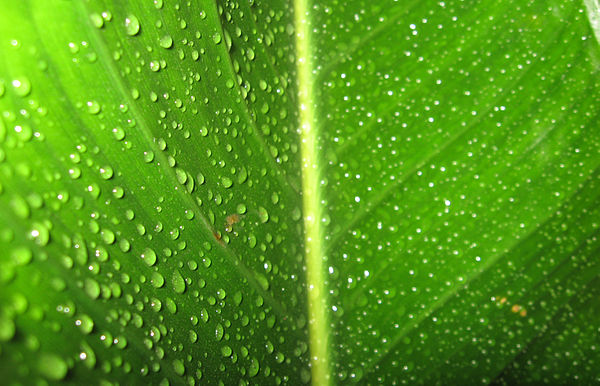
(289, 192)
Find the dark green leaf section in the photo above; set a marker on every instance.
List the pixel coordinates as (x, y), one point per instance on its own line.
(460, 156)
(148, 191)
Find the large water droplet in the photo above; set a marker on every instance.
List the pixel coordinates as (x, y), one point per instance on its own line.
(52, 367)
(149, 256)
(178, 282)
(22, 86)
(132, 25)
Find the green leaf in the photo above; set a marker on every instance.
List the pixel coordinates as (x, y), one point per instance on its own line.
(265, 192)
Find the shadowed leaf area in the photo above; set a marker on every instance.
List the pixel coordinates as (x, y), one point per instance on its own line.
(156, 226)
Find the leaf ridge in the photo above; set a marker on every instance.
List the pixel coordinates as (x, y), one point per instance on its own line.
(311, 204)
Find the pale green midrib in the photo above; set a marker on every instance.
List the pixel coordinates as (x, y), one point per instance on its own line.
(316, 292)
(146, 133)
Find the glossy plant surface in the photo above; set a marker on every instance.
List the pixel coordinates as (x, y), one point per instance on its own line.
(288, 192)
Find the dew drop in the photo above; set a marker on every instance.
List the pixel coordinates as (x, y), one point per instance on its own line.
(171, 306)
(219, 332)
(263, 215)
(178, 367)
(40, 234)
(21, 256)
(93, 107)
(106, 172)
(148, 156)
(204, 315)
(253, 368)
(52, 366)
(85, 324)
(157, 280)
(178, 282)
(7, 328)
(166, 42)
(132, 25)
(149, 256)
(92, 288)
(22, 86)
(226, 182)
(226, 351)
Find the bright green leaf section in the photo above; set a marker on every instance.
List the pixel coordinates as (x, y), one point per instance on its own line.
(266, 192)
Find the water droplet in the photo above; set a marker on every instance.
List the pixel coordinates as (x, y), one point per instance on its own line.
(91, 288)
(263, 215)
(226, 351)
(21, 256)
(156, 306)
(155, 65)
(253, 368)
(39, 233)
(181, 175)
(296, 214)
(22, 86)
(148, 156)
(204, 315)
(7, 328)
(85, 324)
(219, 331)
(149, 256)
(237, 298)
(242, 175)
(132, 25)
(171, 306)
(93, 107)
(226, 182)
(108, 236)
(166, 42)
(178, 282)
(24, 133)
(262, 280)
(178, 367)
(52, 366)
(157, 280)
(106, 172)
(20, 207)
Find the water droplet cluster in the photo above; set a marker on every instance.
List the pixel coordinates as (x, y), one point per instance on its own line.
(128, 137)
